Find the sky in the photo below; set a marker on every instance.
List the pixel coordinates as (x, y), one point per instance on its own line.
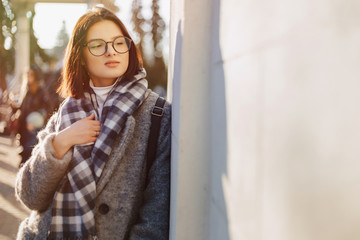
(49, 17)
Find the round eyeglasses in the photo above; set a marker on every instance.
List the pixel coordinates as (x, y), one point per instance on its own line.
(99, 47)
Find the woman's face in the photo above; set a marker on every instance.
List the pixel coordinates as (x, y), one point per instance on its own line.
(105, 69)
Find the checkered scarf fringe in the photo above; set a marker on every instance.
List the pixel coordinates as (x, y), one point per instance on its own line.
(73, 206)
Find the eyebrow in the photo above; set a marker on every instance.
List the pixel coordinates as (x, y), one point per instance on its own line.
(104, 40)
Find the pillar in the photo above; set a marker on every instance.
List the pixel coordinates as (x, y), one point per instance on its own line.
(22, 44)
(190, 93)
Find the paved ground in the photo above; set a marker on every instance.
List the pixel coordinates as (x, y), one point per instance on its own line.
(11, 211)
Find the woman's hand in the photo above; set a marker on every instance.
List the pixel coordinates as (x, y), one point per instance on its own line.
(83, 131)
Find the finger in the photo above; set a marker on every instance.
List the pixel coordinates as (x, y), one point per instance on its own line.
(94, 128)
(97, 132)
(96, 123)
(91, 117)
(92, 139)
(94, 132)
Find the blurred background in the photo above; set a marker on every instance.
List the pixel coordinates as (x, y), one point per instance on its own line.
(37, 32)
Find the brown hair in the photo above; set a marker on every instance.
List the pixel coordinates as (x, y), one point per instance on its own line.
(75, 75)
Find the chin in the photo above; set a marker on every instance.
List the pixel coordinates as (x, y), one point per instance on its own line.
(116, 74)
(112, 76)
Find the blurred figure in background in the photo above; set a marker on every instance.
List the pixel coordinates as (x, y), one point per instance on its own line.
(35, 109)
(52, 81)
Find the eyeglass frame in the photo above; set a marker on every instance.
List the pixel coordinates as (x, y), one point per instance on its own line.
(106, 45)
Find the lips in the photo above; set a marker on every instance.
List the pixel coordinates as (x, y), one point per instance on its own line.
(112, 63)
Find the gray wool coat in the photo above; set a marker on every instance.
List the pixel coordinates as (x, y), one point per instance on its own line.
(124, 210)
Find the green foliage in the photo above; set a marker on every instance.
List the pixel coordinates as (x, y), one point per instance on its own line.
(7, 42)
(8, 29)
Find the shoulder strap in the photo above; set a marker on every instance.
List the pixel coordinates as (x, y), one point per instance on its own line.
(156, 115)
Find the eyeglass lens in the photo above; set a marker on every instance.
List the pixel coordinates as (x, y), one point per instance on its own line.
(98, 47)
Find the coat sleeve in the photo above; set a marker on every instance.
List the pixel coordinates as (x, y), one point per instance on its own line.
(38, 179)
(154, 215)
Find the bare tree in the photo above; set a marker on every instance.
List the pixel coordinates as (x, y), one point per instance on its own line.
(138, 21)
(62, 40)
(152, 28)
(35, 49)
(109, 4)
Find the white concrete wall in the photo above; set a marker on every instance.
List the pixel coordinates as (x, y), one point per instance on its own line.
(281, 121)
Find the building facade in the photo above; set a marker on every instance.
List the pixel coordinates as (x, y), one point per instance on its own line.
(265, 119)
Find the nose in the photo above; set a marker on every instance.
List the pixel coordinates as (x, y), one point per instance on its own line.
(110, 49)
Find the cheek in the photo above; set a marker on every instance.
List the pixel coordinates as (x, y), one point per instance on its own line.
(90, 62)
(88, 59)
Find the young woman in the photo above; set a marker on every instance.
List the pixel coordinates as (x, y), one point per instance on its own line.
(87, 178)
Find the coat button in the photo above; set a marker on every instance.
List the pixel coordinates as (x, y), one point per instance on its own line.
(104, 208)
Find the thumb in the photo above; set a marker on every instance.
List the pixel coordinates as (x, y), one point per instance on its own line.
(91, 117)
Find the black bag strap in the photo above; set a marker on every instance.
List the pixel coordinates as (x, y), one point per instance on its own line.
(156, 115)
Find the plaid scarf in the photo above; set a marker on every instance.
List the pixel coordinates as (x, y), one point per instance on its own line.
(73, 208)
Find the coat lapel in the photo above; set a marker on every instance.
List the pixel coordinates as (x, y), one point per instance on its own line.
(117, 153)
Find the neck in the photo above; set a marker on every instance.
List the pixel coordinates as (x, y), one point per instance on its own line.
(103, 83)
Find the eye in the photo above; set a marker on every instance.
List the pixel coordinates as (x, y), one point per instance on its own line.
(119, 42)
(96, 44)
